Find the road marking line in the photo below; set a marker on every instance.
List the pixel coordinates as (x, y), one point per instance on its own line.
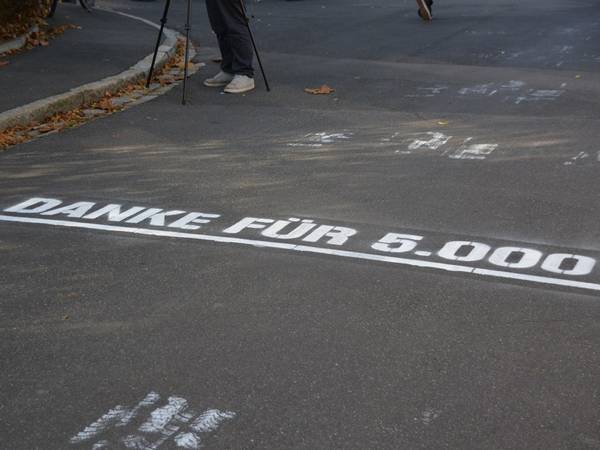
(311, 249)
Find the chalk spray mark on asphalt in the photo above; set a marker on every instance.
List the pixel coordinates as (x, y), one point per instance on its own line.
(320, 139)
(473, 151)
(514, 91)
(540, 95)
(150, 400)
(99, 426)
(580, 157)
(439, 142)
(435, 141)
(478, 89)
(431, 91)
(429, 415)
(210, 420)
(173, 422)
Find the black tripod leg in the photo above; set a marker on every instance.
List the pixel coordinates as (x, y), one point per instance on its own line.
(85, 6)
(53, 8)
(187, 49)
(262, 70)
(163, 21)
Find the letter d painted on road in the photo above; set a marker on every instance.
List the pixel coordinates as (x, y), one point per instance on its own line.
(34, 206)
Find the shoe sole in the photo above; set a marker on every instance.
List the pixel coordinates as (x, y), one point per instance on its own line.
(215, 83)
(238, 91)
(425, 12)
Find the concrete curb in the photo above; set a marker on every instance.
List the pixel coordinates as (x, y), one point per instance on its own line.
(19, 42)
(41, 109)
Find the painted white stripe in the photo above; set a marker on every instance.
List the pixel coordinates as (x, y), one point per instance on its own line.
(310, 249)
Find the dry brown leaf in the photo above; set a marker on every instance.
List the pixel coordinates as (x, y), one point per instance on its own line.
(323, 90)
(3, 63)
(181, 65)
(46, 128)
(105, 104)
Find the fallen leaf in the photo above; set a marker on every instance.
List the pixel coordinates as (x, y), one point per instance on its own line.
(323, 90)
(47, 128)
(105, 104)
(181, 65)
(3, 63)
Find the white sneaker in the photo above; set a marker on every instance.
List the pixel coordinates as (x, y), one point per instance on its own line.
(220, 79)
(240, 84)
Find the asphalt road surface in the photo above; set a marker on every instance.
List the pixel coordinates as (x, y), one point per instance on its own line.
(407, 263)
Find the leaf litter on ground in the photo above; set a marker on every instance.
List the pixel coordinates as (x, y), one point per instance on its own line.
(323, 90)
(104, 105)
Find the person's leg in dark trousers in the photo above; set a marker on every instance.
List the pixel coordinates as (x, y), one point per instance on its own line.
(229, 24)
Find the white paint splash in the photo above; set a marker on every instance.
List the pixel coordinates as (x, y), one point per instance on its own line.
(188, 440)
(515, 55)
(172, 427)
(577, 158)
(565, 49)
(148, 401)
(439, 141)
(513, 90)
(100, 425)
(135, 442)
(513, 85)
(540, 95)
(175, 421)
(473, 151)
(320, 139)
(547, 94)
(207, 422)
(435, 141)
(429, 415)
(431, 91)
(160, 417)
(478, 89)
(210, 420)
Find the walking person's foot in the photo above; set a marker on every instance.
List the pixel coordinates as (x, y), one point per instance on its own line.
(425, 9)
(240, 84)
(219, 80)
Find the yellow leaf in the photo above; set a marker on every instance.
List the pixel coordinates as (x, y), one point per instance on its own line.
(323, 90)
